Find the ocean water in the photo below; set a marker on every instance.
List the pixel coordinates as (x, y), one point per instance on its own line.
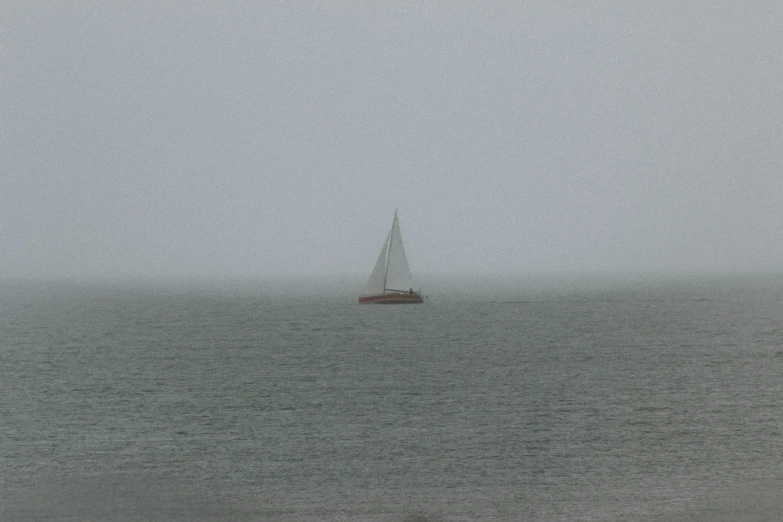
(654, 401)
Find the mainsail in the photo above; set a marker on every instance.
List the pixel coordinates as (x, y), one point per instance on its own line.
(398, 275)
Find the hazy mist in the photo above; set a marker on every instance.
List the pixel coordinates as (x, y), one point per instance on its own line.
(265, 139)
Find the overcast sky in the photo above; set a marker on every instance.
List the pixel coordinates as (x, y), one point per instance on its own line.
(260, 138)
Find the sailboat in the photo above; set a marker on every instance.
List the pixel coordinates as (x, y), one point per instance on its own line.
(390, 281)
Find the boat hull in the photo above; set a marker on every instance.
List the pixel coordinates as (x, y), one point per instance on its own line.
(408, 298)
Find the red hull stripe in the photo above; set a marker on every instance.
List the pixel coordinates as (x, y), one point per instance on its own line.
(391, 299)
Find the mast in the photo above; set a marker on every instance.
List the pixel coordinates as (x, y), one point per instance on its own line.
(388, 250)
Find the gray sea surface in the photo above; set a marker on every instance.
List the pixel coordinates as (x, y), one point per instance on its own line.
(644, 401)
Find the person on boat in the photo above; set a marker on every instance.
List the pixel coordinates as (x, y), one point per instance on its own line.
(410, 292)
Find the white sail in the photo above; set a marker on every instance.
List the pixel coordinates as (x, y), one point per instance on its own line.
(377, 277)
(391, 272)
(398, 275)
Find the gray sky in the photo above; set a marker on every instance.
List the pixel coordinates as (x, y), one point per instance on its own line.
(265, 138)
